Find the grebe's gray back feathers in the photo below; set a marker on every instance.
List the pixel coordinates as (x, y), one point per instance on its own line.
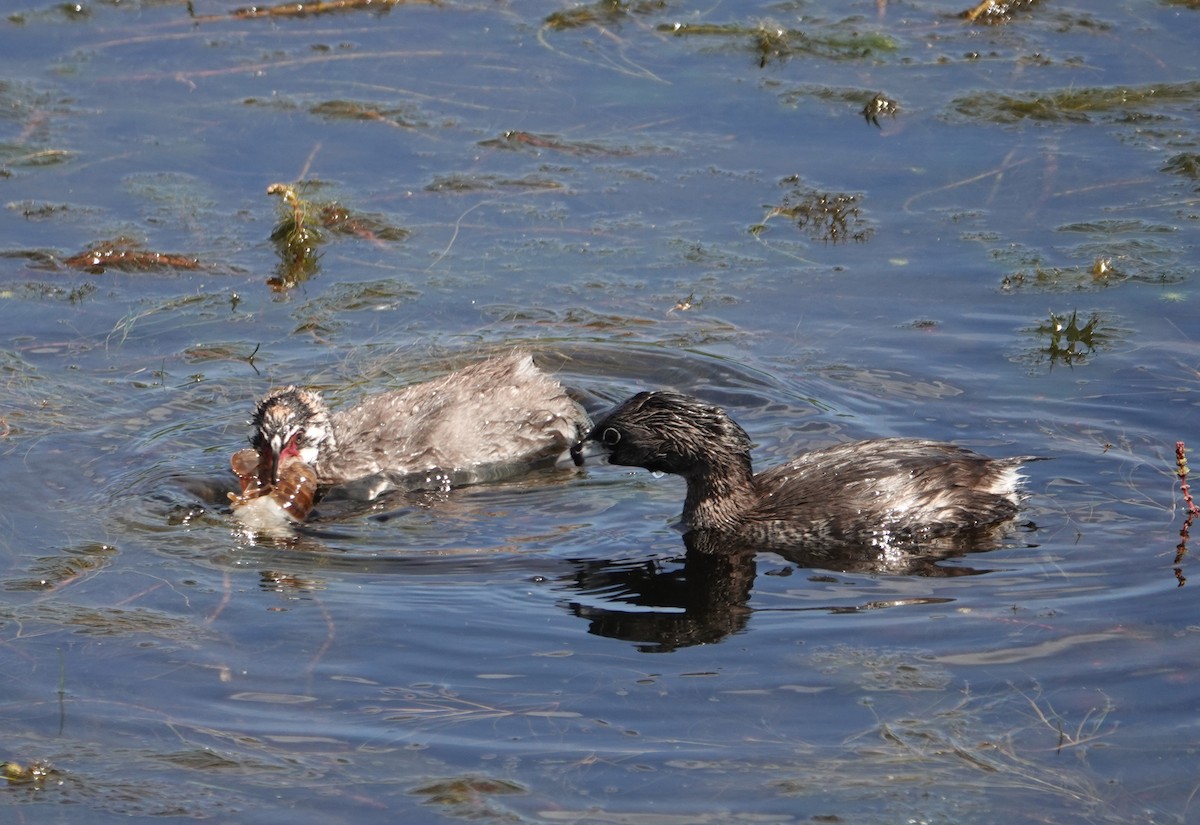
(485, 420)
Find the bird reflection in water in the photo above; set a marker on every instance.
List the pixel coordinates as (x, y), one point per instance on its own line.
(707, 597)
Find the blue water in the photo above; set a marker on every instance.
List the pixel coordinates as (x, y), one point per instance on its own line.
(539, 651)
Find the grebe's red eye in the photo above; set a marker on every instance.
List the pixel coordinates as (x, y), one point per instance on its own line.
(292, 447)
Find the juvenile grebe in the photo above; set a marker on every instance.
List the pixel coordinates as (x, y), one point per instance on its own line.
(485, 421)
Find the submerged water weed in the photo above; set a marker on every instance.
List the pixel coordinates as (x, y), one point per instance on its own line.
(108, 622)
(470, 797)
(529, 141)
(174, 312)
(432, 706)
(608, 15)
(324, 313)
(123, 782)
(601, 12)
(773, 42)
(876, 669)
(353, 110)
(831, 217)
(461, 183)
(27, 105)
(34, 405)
(74, 564)
(964, 745)
(1184, 164)
(312, 8)
(1080, 105)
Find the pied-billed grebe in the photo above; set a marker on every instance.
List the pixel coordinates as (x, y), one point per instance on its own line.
(889, 491)
(483, 422)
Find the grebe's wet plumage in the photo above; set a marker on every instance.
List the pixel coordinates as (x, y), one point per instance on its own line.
(892, 491)
(486, 420)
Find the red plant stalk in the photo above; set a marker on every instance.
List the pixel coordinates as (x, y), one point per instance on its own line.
(1181, 464)
(1192, 510)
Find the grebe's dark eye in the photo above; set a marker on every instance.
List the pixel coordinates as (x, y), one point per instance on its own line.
(610, 437)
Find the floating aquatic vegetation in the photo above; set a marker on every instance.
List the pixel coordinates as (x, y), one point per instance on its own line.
(992, 12)
(1102, 272)
(341, 221)
(1069, 340)
(308, 9)
(296, 238)
(512, 139)
(832, 217)
(880, 106)
(127, 255)
(871, 105)
(38, 210)
(1079, 105)
(1113, 252)
(353, 110)
(298, 234)
(773, 42)
(1184, 164)
(35, 773)
(602, 12)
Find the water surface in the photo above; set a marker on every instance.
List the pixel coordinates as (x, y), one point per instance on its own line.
(644, 195)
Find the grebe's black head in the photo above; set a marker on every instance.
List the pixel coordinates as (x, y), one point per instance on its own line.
(670, 433)
(291, 421)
